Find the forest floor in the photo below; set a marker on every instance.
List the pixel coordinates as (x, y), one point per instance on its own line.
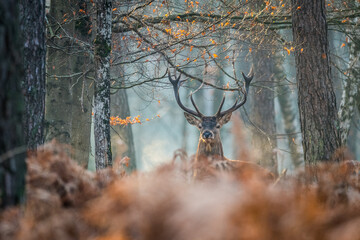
(64, 201)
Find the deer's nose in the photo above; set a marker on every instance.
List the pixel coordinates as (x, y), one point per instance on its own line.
(207, 134)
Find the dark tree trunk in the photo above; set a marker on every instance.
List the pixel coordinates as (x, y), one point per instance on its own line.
(316, 100)
(33, 31)
(103, 156)
(12, 165)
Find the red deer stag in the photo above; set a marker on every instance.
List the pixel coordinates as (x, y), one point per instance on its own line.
(210, 150)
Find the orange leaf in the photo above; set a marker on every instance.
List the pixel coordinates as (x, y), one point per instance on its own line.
(215, 55)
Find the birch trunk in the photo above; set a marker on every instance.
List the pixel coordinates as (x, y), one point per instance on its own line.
(103, 156)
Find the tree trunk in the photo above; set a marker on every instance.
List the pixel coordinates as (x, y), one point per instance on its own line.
(287, 111)
(316, 100)
(103, 156)
(68, 103)
(351, 84)
(263, 111)
(33, 29)
(58, 99)
(12, 164)
(122, 140)
(82, 92)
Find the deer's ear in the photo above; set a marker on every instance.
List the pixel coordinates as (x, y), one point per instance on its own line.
(225, 119)
(192, 119)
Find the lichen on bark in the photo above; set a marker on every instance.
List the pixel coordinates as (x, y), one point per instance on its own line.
(102, 48)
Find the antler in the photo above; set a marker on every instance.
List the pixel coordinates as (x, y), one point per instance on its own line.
(236, 104)
(176, 84)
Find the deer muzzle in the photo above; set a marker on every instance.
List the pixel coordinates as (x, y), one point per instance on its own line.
(207, 135)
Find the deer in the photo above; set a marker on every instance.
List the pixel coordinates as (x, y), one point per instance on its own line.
(210, 149)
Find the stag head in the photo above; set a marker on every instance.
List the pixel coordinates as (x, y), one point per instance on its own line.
(209, 126)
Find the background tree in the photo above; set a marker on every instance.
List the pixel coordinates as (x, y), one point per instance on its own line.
(316, 100)
(122, 141)
(69, 65)
(103, 155)
(33, 32)
(12, 149)
(351, 87)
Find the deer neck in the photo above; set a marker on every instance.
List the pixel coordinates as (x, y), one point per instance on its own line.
(213, 150)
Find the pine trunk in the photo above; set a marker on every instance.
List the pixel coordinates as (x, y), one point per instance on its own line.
(103, 156)
(316, 100)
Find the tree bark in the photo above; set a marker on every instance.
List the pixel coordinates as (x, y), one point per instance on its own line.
(103, 155)
(82, 92)
(316, 100)
(12, 164)
(58, 99)
(69, 95)
(33, 31)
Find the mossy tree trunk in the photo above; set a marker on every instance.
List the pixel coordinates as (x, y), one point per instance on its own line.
(103, 155)
(33, 32)
(316, 97)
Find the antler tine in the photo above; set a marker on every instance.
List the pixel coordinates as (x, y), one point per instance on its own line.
(221, 105)
(176, 85)
(238, 105)
(194, 104)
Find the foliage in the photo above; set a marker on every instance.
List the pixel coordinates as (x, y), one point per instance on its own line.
(65, 201)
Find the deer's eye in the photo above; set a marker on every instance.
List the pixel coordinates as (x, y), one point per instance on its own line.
(200, 126)
(218, 126)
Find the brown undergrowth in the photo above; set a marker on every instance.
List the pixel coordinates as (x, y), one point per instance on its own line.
(65, 201)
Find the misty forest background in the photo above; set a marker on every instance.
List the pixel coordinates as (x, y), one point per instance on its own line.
(93, 75)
